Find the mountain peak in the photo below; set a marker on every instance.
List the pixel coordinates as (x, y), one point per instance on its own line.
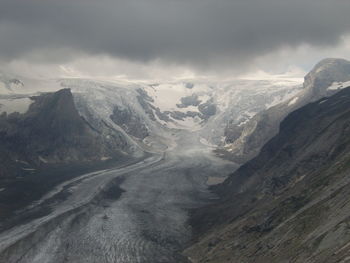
(331, 62)
(325, 73)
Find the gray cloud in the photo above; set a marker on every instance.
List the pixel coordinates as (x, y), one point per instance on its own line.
(194, 32)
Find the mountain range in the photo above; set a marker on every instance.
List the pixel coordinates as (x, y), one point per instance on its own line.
(286, 198)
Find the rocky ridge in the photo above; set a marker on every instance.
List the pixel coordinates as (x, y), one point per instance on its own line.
(290, 203)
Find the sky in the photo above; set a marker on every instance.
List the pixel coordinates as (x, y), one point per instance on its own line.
(164, 39)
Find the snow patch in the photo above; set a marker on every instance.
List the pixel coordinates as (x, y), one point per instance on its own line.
(20, 105)
(214, 180)
(166, 96)
(339, 85)
(43, 159)
(207, 143)
(188, 123)
(293, 101)
(188, 108)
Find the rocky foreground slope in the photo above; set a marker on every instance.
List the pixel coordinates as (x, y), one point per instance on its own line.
(291, 202)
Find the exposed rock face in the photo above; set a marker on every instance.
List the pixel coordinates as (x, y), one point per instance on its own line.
(189, 85)
(146, 103)
(208, 109)
(51, 132)
(130, 122)
(325, 73)
(189, 101)
(245, 141)
(290, 203)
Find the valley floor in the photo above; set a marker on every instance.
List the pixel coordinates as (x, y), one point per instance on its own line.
(134, 214)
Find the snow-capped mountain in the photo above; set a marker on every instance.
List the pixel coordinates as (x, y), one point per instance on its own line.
(207, 106)
(237, 117)
(327, 76)
(242, 143)
(146, 112)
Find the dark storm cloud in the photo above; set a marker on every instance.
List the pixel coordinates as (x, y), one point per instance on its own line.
(196, 32)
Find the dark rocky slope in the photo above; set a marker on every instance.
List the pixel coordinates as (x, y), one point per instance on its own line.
(46, 145)
(291, 202)
(52, 131)
(248, 139)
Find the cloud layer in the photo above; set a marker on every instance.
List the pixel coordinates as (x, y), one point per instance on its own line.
(199, 33)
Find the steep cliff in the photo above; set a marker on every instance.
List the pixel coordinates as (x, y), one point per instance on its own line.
(51, 132)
